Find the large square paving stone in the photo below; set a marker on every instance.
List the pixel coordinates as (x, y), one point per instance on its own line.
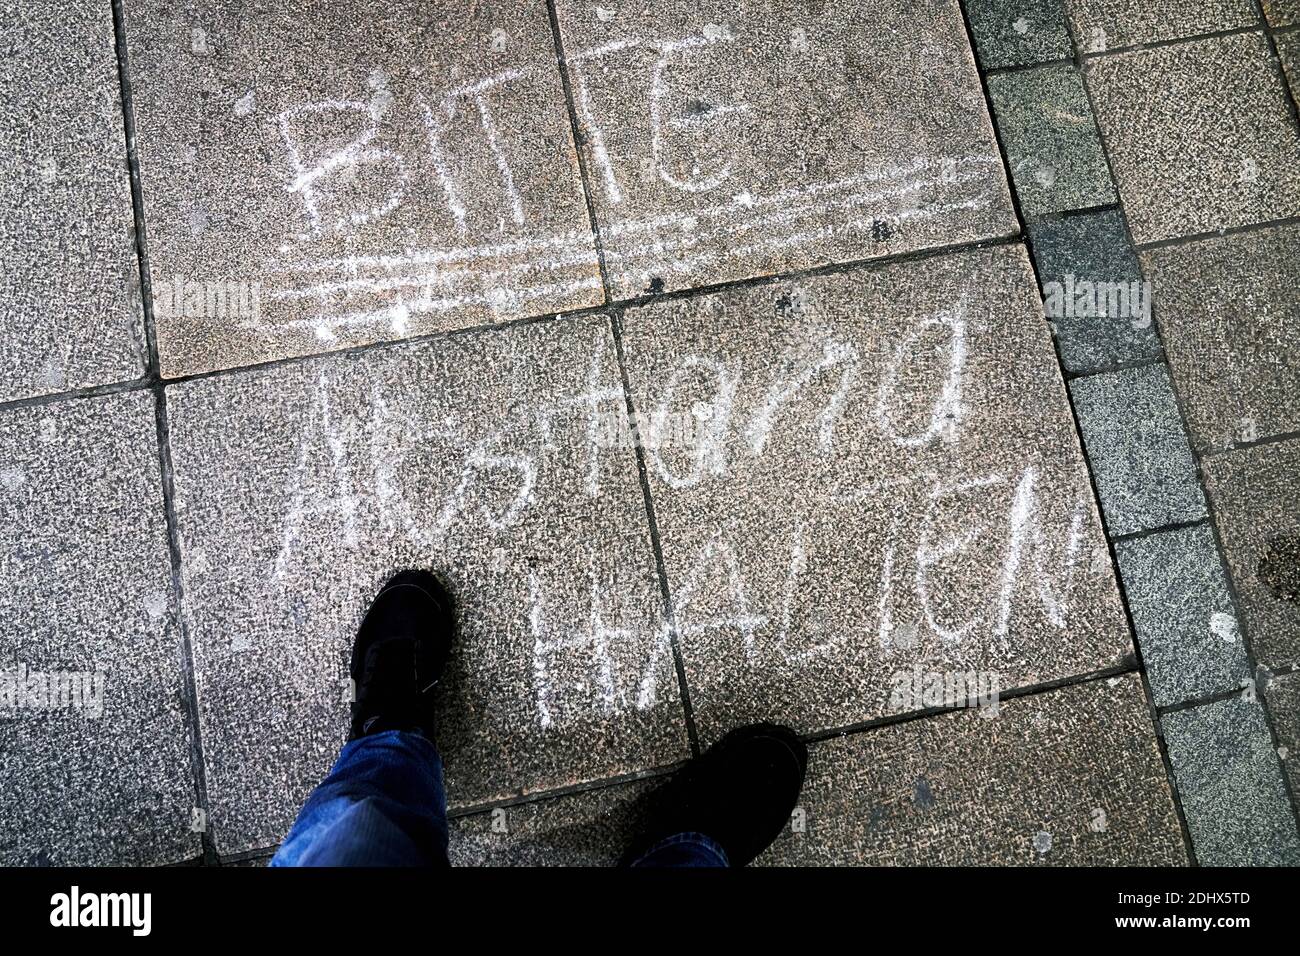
(1228, 309)
(1199, 135)
(1073, 776)
(95, 764)
(1256, 497)
(350, 173)
(1070, 777)
(731, 139)
(860, 475)
(485, 457)
(69, 306)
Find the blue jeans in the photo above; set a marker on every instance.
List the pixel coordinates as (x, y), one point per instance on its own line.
(383, 804)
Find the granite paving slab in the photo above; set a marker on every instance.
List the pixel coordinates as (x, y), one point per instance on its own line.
(1256, 497)
(95, 762)
(867, 477)
(1200, 135)
(1068, 777)
(1138, 450)
(1053, 147)
(1288, 48)
(1231, 785)
(322, 174)
(1101, 25)
(1282, 13)
(485, 457)
(1182, 609)
(584, 829)
(730, 139)
(69, 300)
(1283, 696)
(1228, 309)
(1018, 32)
(1093, 291)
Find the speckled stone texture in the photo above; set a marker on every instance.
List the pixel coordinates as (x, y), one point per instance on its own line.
(1018, 32)
(487, 457)
(585, 829)
(1283, 696)
(1070, 777)
(1101, 25)
(1052, 143)
(1288, 48)
(859, 474)
(88, 594)
(1199, 134)
(1092, 290)
(728, 139)
(1231, 785)
(1141, 462)
(1186, 625)
(1256, 497)
(1227, 309)
(69, 311)
(370, 171)
(1282, 13)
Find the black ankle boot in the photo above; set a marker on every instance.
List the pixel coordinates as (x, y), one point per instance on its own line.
(399, 655)
(740, 793)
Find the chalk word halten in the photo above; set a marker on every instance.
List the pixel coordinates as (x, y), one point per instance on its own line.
(502, 481)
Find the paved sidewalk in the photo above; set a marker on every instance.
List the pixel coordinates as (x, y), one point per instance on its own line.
(920, 375)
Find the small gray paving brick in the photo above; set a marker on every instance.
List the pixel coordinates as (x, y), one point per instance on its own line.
(1282, 13)
(351, 173)
(1072, 776)
(1093, 292)
(1018, 32)
(1227, 309)
(488, 457)
(1199, 134)
(105, 778)
(69, 309)
(733, 138)
(1182, 609)
(1101, 25)
(1256, 497)
(1231, 785)
(1052, 144)
(1283, 696)
(861, 473)
(1143, 466)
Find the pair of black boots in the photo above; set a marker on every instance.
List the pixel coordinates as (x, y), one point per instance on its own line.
(739, 793)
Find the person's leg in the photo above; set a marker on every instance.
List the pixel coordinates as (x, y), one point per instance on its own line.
(726, 806)
(683, 850)
(383, 803)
